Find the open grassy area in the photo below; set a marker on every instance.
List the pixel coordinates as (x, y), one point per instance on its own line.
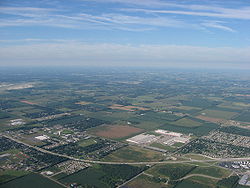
(146, 182)
(196, 157)
(186, 122)
(88, 142)
(212, 171)
(197, 182)
(218, 114)
(148, 125)
(116, 131)
(31, 181)
(197, 131)
(244, 116)
(162, 146)
(6, 175)
(171, 171)
(133, 154)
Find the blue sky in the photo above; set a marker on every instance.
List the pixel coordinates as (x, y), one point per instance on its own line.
(183, 33)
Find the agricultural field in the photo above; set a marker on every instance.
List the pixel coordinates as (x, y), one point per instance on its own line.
(171, 171)
(197, 182)
(133, 153)
(116, 131)
(186, 122)
(218, 114)
(146, 181)
(31, 181)
(212, 171)
(244, 116)
(79, 118)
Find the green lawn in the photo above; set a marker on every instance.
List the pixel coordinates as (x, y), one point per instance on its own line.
(84, 143)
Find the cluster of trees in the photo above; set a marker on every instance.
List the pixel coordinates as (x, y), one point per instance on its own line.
(117, 174)
(235, 130)
(78, 122)
(228, 182)
(175, 172)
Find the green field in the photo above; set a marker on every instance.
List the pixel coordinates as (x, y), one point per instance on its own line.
(186, 122)
(144, 181)
(84, 143)
(31, 181)
(172, 171)
(197, 182)
(218, 114)
(197, 131)
(212, 171)
(7, 175)
(133, 154)
(245, 116)
(161, 146)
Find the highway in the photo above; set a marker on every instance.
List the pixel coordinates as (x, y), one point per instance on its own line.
(129, 163)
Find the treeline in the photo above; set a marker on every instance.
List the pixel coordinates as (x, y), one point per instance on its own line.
(117, 174)
(235, 130)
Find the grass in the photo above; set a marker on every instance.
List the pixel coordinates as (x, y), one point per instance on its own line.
(148, 125)
(186, 122)
(67, 131)
(245, 116)
(145, 182)
(87, 142)
(196, 182)
(161, 146)
(90, 177)
(133, 154)
(7, 175)
(31, 181)
(212, 171)
(197, 157)
(197, 131)
(172, 171)
(218, 114)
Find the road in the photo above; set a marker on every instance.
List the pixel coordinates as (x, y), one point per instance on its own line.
(129, 163)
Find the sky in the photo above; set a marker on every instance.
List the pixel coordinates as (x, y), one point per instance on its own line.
(147, 33)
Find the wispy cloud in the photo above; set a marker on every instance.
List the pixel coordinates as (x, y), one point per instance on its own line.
(243, 14)
(52, 17)
(132, 15)
(217, 25)
(184, 8)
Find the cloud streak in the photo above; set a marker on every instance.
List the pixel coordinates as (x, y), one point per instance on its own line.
(132, 15)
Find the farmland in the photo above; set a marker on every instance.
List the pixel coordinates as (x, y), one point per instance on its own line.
(116, 131)
(70, 120)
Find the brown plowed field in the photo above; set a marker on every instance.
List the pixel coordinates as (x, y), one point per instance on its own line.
(117, 131)
(28, 102)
